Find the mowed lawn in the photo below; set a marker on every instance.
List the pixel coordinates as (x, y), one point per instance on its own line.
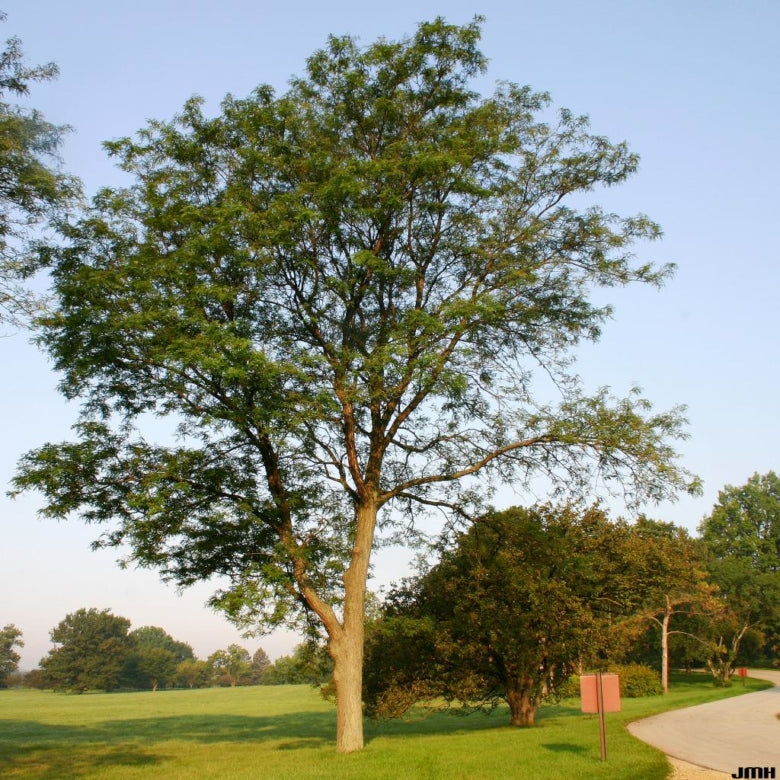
(288, 732)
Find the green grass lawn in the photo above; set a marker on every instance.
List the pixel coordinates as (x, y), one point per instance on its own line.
(288, 732)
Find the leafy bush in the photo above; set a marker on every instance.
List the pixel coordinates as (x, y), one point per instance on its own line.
(635, 680)
(570, 688)
(638, 680)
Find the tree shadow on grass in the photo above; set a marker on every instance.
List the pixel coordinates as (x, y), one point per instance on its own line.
(424, 721)
(64, 752)
(564, 747)
(70, 761)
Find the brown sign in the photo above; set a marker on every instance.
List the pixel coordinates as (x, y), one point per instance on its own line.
(600, 693)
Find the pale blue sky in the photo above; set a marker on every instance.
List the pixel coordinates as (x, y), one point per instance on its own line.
(692, 85)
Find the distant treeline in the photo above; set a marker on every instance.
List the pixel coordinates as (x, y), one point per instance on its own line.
(96, 650)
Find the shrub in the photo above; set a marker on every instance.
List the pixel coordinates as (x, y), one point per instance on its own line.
(638, 680)
(635, 680)
(570, 688)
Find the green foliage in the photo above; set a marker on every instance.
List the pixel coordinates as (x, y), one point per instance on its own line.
(569, 688)
(156, 637)
(637, 680)
(31, 188)
(10, 637)
(401, 666)
(92, 648)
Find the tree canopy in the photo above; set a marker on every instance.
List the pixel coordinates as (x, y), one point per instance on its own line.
(350, 298)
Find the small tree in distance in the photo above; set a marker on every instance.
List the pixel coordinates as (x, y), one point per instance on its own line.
(192, 673)
(10, 638)
(663, 574)
(260, 663)
(232, 666)
(343, 295)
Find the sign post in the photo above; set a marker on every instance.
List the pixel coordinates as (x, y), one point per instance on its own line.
(743, 673)
(600, 693)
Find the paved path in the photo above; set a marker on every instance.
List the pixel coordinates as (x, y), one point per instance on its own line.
(723, 735)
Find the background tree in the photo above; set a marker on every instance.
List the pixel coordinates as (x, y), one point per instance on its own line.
(663, 573)
(154, 658)
(192, 673)
(309, 664)
(742, 534)
(91, 652)
(747, 601)
(344, 296)
(260, 663)
(10, 638)
(507, 614)
(32, 188)
(232, 666)
(745, 523)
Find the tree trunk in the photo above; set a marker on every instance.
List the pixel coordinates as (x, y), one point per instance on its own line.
(521, 706)
(346, 641)
(665, 647)
(347, 656)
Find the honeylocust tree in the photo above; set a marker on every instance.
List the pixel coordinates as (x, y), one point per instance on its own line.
(32, 188)
(343, 296)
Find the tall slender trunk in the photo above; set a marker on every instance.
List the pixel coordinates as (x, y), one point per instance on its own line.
(346, 643)
(347, 653)
(665, 646)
